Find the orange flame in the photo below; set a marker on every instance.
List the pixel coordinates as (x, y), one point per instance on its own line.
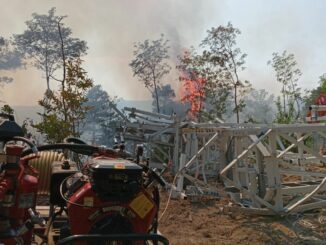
(193, 92)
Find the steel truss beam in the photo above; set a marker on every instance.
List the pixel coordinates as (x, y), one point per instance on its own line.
(268, 165)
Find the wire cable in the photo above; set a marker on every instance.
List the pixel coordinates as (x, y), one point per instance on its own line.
(170, 195)
(70, 202)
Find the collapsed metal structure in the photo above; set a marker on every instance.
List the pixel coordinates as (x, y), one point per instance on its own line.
(269, 169)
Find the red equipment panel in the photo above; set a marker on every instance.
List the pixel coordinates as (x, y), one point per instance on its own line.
(138, 212)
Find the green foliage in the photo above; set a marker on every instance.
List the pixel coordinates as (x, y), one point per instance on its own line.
(311, 96)
(41, 42)
(64, 110)
(288, 75)
(221, 51)
(216, 100)
(149, 64)
(7, 109)
(322, 83)
(101, 118)
(54, 128)
(166, 97)
(27, 126)
(285, 117)
(194, 81)
(214, 74)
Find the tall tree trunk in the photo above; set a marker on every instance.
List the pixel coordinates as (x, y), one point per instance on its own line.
(284, 107)
(296, 100)
(47, 73)
(199, 110)
(47, 82)
(298, 107)
(46, 98)
(64, 72)
(156, 95)
(236, 103)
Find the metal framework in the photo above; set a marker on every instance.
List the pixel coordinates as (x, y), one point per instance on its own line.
(271, 169)
(157, 132)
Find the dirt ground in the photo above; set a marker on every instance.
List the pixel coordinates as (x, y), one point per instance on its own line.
(210, 222)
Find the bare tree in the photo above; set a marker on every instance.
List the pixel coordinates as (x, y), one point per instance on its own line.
(149, 64)
(43, 43)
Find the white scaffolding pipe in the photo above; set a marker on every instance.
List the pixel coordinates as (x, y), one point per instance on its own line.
(292, 207)
(245, 152)
(190, 162)
(181, 177)
(315, 154)
(152, 114)
(292, 145)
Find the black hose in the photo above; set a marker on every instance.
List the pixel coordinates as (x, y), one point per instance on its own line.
(32, 146)
(80, 149)
(96, 238)
(156, 198)
(74, 140)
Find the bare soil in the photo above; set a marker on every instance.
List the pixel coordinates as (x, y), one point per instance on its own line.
(211, 222)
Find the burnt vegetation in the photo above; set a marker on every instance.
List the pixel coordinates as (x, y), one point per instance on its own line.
(211, 86)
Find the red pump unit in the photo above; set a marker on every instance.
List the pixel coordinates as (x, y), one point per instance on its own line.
(18, 186)
(111, 200)
(105, 199)
(18, 190)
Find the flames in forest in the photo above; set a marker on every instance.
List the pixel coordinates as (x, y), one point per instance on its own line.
(193, 92)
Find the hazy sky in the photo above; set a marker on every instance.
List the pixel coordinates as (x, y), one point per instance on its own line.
(111, 27)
